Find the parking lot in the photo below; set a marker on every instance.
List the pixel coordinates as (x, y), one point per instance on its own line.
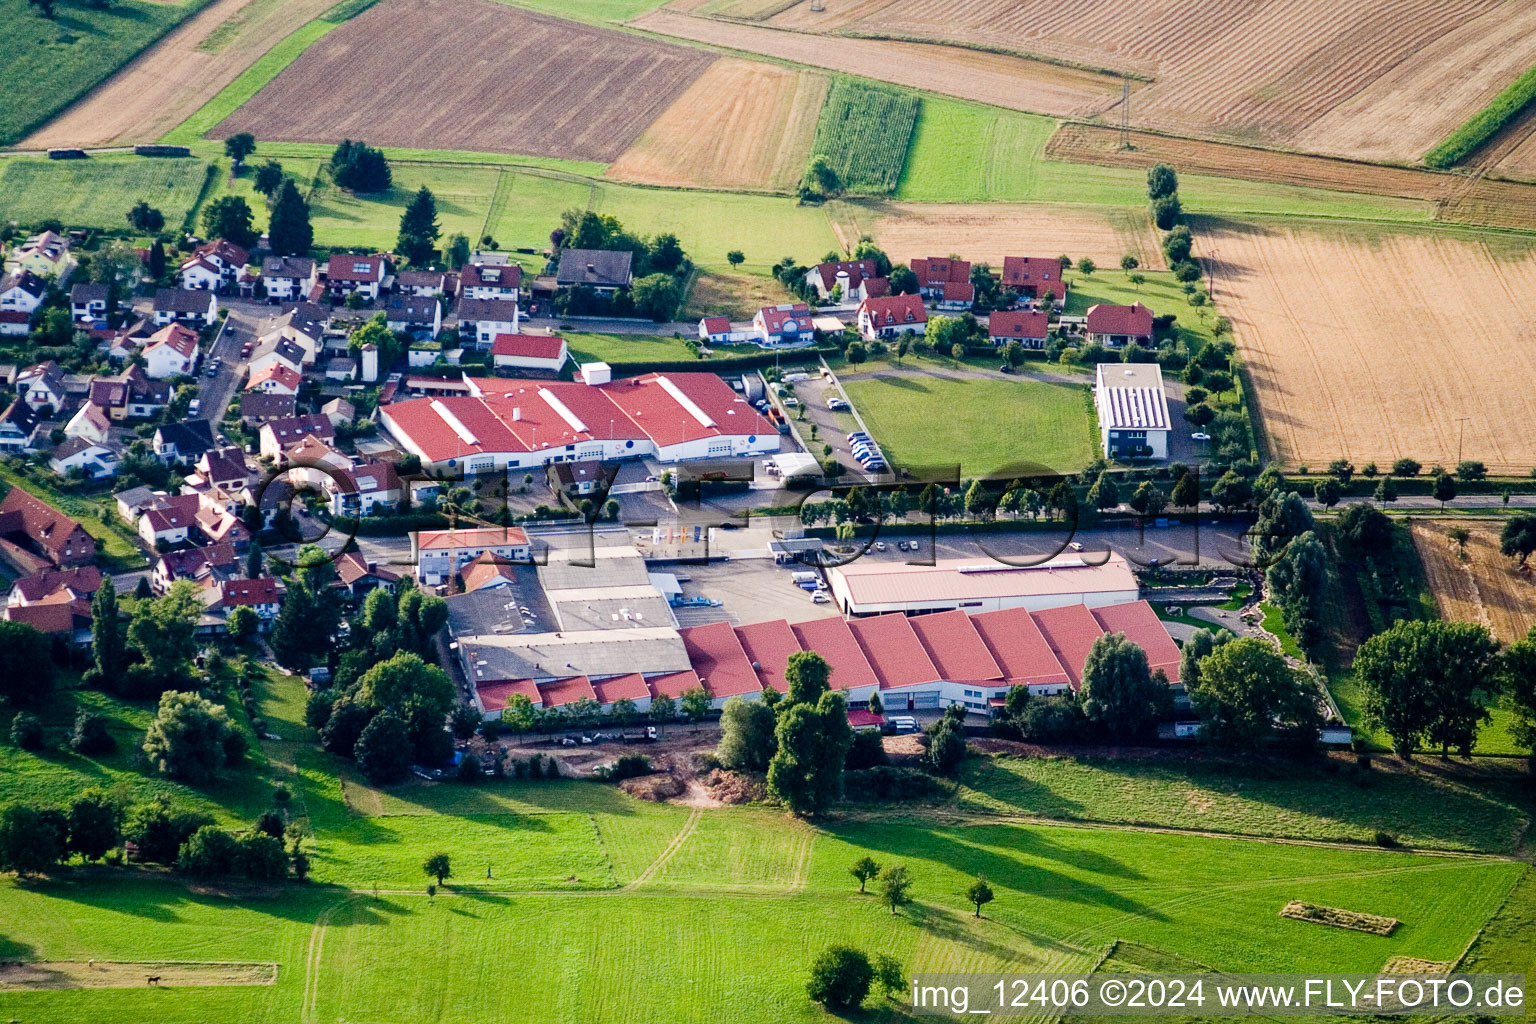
(832, 426)
(751, 590)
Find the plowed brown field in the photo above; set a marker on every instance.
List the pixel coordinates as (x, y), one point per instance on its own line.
(1376, 79)
(470, 74)
(1374, 344)
(999, 79)
(166, 83)
(742, 125)
(1486, 588)
(987, 232)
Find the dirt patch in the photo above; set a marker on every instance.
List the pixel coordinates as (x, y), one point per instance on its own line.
(1413, 965)
(998, 79)
(168, 82)
(654, 788)
(1483, 586)
(724, 787)
(40, 975)
(1354, 920)
(742, 125)
(520, 83)
(1350, 357)
(739, 296)
(987, 232)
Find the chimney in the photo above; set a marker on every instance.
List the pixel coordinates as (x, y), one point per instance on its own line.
(517, 413)
(591, 268)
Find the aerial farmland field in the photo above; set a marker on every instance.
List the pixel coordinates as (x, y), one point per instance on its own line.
(349, 84)
(863, 133)
(98, 192)
(1484, 586)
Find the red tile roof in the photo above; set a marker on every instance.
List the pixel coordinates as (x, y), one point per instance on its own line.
(249, 592)
(343, 267)
(1135, 320)
(863, 718)
(673, 684)
(45, 526)
(471, 537)
(834, 641)
(768, 645)
(82, 581)
(528, 346)
(1037, 274)
(954, 646)
(494, 696)
(895, 310)
(1020, 324)
(631, 687)
(477, 275)
(857, 270)
(52, 618)
(1018, 647)
(284, 375)
(776, 319)
(1071, 631)
(566, 691)
(178, 338)
(1143, 628)
(958, 291)
(936, 270)
(894, 650)
(717, 657)
(484, 569)
(717, 325)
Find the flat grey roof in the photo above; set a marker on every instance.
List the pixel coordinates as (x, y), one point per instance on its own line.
(607, 652)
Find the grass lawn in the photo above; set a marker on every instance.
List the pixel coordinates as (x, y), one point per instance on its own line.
(97, 193)
(710, 224)
(636, 348)
(463, 199)
(116, 548)
(301, 169)
(984, 425)
(527, 208)
(738, 296)
(597, 12)
(49, 64)
(1160, 292)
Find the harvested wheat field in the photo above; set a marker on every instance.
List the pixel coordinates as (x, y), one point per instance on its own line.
(1375, 79)
(39, 975)
(742, 125)
(166, 83)
(1484, 587)
(987, 232)
(999, 79)
(1374, 344)
(473, 75)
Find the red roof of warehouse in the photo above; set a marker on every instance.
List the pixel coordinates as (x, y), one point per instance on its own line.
(894, 650)
(768, 645)
(954, 646)
(1018, 647)
(528, 346)
(1071, 631)
(1143, 628)
(717, 657)
(631, 686)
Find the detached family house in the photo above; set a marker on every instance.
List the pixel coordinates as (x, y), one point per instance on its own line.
(1035, 277)
(523, 352)
(87, 303)
(171, 352)
(784, 325)
(850, 280)
(945, 282)
(1118, 326)
(347, 273)
(1026, 327)
(46, 255)
(288, 278)
(420, 316)
(34, 535)
(193, 307)
(603, 271)
(21, 292)
(480, 280)
(481, 320)
(213, 266)
(92, 459)
(887, 316)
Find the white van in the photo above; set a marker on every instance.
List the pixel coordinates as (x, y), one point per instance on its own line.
(804, 577)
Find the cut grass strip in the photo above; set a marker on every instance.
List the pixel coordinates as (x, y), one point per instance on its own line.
(1484, 124)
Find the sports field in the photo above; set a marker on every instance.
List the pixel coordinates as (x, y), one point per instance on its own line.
(986, 426)
(98, 192)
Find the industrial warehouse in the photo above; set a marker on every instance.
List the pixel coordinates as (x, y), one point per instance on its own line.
(871, 587)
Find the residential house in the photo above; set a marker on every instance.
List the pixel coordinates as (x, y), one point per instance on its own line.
(578, 479)
(122, 343)
(349, 273)
(422, 283)
(170, 520)
(788, 324)
(288, 278)
(603, 271)
(850, 280)
(1035, 277)
(171, 352)
(260, 595)
(365, 489)
(18, 427)
(55, 601)
(14, 323)
(1118, 326)
(420, 316)
(92, 459)
(213, 265)
(438, 554)
(277, 350)
(340, 369)
(206, 566)
(34, 534)
(481, 320)
(483, 280)
(339, 411)
(277, 435)
(887, 316)
(184, 306)
(955, 297)
(223, 468)
(523, 352)
(41, 386)
(718, 330)
(132, 503)
(1026, 327)
(22, 291)
(275, 379)
(88, 303)
(358, 576)
(46, 255)
(91, 423)
(303, 325)
(130, 395)
(183, 442)
(941, 279)
(257, 408)
(487, 572)
(1133, 410)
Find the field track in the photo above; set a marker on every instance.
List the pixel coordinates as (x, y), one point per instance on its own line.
(474, 75)
(1482, 202)
(1372, 344)
(998, 79)
(1377, 79)
(162, 86)
(760, 119)
(1486, 588)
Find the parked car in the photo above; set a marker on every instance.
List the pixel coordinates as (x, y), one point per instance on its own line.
(1200, 435)
(791, 403)
(820, 597)
(879, 545)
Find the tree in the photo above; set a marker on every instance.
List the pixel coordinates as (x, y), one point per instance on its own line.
(1104, 493)
(1086, 267)
(164, 632)
(26, 663)
(207, 853)
(229, 218)
(663, 708)
(1445, 489)
(268, 178)
(1518, 538)
(864, 869)
(820, 180)
(1364, 529)
(157, 264)
(1232, 491)
(806, 674)
(95, 824)
(656, 296)
(1129, 263)
(1200, 645)
(735, 258)
(1177, 245)
(1186, 491)
(1406, 467)
(189, 738)
(1327, 492)
(903, 280)
(695, 704)
(439, 867)
(1166, 212)
(302, 631)
(1119, 690)
(465, 721)
(1199, 414)
(242, 623)
(894, 886)
(239, 146)
(288, 230)
(456, 252)
(418, 227)
(27, 731)
(806, 771)
(1244, 692)
(359, 167)
(979, 893)
(90, 737)
(1518, 665)
(1471, 471)
(746, 735)
(1149, 500)
(840, 978)
(1386, 490)
(32, 839)
(1298, 579)
(1162, 180)
(344, 723)
(159, 831)
(44, 7)
(260, 858)
(946, 744)
(1427, 682)
(383, 750)
(145, 218)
